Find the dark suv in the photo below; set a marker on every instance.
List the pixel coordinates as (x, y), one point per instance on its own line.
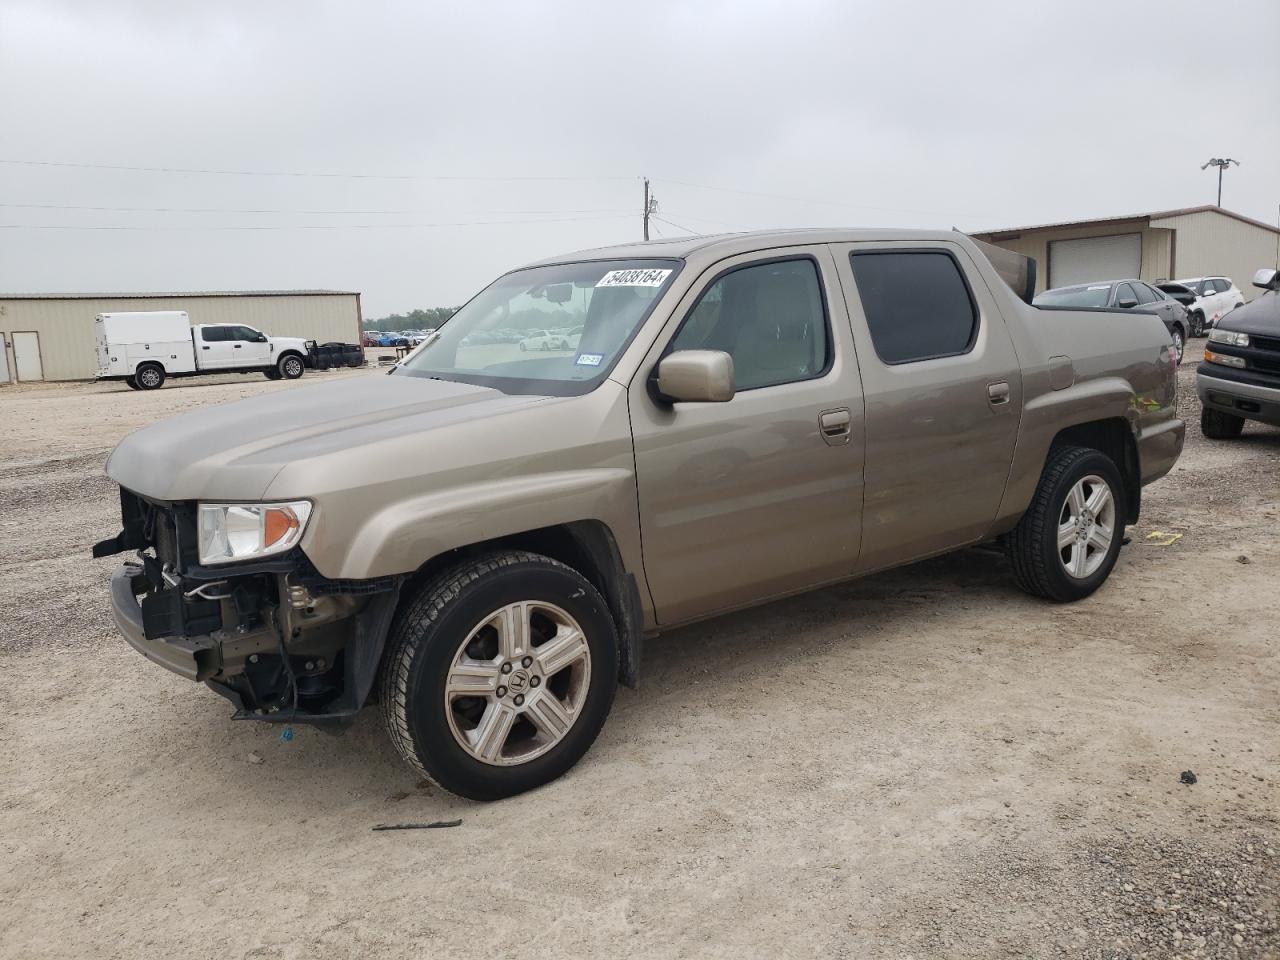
(1124, 295)
(1240, 377)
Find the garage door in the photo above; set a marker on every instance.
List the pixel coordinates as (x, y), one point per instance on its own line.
(1094, 258)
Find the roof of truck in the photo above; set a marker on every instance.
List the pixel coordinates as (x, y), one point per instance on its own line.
(727, 244)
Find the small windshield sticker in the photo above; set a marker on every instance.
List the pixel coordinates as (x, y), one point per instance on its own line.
(633, 278)
(589, 359)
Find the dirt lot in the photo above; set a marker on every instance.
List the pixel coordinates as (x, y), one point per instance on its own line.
(922, 764)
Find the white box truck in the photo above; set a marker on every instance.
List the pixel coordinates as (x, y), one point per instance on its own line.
(145, 349)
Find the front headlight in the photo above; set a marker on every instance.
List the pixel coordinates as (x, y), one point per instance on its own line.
(245, 531)
(1229, 336)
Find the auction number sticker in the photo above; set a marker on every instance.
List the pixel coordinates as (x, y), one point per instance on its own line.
(633, 278)
(589, 359)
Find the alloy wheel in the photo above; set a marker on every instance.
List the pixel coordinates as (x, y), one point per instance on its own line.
(1086, 526)
(517, 683)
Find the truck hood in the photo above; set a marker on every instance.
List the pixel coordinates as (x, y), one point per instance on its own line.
(233, 451)
(1261, 317)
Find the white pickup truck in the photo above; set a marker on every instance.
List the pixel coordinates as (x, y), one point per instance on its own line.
(144, 349)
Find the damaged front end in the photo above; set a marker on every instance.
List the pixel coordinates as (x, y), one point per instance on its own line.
(273, 636)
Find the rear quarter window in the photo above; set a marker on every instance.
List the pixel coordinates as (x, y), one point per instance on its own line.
(917, 304)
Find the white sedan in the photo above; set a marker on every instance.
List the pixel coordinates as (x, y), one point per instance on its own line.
(545, 340)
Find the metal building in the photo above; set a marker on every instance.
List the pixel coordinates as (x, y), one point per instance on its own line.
(1192, 242)
(49, 336)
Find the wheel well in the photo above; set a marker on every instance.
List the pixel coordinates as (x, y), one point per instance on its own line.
(588, 546)
(1114, 438)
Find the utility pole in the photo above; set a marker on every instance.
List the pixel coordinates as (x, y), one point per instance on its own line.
(650, 206)
(1221, 163)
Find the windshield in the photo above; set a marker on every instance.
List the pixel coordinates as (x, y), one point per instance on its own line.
(553, 330)
(1195, 286)
(1094, 295)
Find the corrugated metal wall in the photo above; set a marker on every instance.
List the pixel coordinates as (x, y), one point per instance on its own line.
(1155, 248)
(66, 327)
(1210, 244)
(1202, 244)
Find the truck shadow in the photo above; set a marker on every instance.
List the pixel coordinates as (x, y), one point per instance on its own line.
(676, 666)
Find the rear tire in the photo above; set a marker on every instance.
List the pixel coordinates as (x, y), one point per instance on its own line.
(1216, 425)
(466, 629)
(150, 376)
(1077, 514)
(1179, 344)
(290, 366)
(131, 383)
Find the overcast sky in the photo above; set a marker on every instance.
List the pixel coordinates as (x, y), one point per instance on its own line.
(851, 113)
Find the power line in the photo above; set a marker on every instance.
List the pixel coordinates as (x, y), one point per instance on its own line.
(676, 225)
(309, 226)
(292, 173)
(65, 206)
(721, 223)
(823, 201)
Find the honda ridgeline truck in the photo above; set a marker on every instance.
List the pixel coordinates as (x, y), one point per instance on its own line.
(145, 348)
(482, 541)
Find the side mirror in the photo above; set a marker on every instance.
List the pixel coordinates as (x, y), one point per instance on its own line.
(1267, 279)
(260, 338)
(696, 376)
(1128, 303)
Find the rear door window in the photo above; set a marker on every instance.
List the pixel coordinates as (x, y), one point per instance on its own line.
(213, 334)
(917, 304)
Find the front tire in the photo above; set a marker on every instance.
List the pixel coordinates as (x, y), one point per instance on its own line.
(1216, 425)
(1197, 324)
(149, 376)
(272, 373)
(290, 366)
(1067, 542)
(499, 674)
(1179, 343)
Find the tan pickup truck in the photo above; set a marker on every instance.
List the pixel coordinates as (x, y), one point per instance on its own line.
(482, 540)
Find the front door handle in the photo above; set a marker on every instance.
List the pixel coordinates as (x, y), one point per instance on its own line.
(237, 346)
(998, 392)
(835, 426)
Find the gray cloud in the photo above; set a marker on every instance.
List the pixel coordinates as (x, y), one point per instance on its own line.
(915, 114)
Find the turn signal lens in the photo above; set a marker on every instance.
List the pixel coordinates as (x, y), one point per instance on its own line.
(1224, 359)
(229, 532)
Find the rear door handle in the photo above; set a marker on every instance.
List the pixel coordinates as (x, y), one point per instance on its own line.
(998, 392)
(237, 346)
(835, 426)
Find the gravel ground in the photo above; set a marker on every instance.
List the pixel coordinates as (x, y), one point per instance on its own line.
(922, 764)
